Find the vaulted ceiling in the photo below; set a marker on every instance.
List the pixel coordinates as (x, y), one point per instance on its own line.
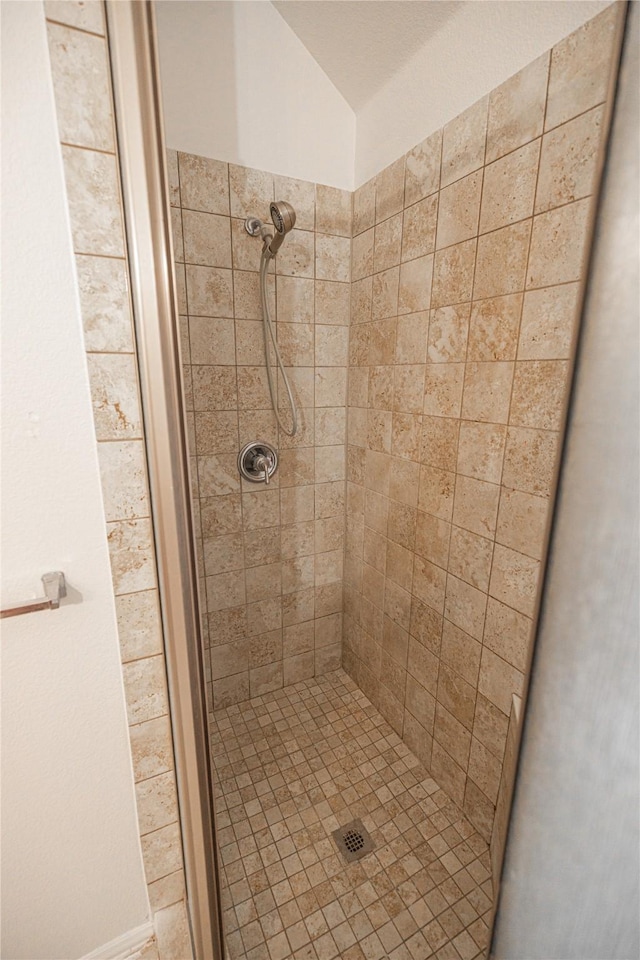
(360, 44)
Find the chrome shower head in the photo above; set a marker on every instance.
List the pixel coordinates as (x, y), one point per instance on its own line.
(284, 218)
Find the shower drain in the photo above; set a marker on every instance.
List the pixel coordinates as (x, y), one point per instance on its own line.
(353, 841)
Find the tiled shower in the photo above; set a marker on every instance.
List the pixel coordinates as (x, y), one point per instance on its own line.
(427, 322)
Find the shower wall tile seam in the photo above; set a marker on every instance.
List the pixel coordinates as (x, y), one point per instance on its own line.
(99, 250)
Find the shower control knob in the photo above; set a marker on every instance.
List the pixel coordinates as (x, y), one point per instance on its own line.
(257, 461)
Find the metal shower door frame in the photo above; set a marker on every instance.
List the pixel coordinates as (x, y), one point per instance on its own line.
(136, 87)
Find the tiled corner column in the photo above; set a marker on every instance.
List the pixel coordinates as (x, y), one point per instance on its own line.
(468, 261)
(80, 70)
(271, 557)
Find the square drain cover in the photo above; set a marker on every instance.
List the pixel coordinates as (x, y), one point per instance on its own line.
(353, 841)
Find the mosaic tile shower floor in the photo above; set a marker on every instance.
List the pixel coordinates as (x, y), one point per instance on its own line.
(292, 766)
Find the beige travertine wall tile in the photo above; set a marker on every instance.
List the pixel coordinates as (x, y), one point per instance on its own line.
(453, 274)
(333, 211)
(458, 210)
(331, 346)
(448, 334)
(173, 177)
(161, 851)
(296, 345)
(295, 300)
(243, 248)
(79, 62)
(214, 387)
(470, 558)
(414, 291)
(509, 188)
(362, 255)
(177, 234)
(145, 689)
(123, 477)
(387, 242)
(94, 202)
(522, 521)
(411, 338)
(498, 680)
(487, 391)
(548, 321)
(203, 184)
(456, 695)
(463, 143)
(297, 257)
(419, 228)
(207, 239)
(447, 773)
(439, 442)
(539, 391)
(385, 294)
(76, 13)
(165, 892)
(332, 302)
(181, 287)
(450, 734)
(517, 108)
(104, 299)
(172, 932)
(507, 633)
(151, 748)
(476, 505)
(436, 491)
(209, 292)
(579, 73)
(443, 389)
(465, 604)
(114, 392)
(568, 163)
(461, 652)
(481, 450)
(484, 770)
(502, 261)
(390, 190)
(530, 459)
(490, 727)
(364, 207)
(333, 255)
(558, 243)
(139, 627)
(132, 555)
(422, 171)
(250, 191)
(514, 579)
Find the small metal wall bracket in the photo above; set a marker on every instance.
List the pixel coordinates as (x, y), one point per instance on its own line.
(257, 461)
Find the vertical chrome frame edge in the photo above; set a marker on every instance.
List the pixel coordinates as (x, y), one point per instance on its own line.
(132, 44)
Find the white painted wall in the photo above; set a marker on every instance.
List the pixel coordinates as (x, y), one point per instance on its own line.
(239, 86)
(480, 46)
(72, 876)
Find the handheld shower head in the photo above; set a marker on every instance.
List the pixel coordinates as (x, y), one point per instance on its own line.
(284, 218)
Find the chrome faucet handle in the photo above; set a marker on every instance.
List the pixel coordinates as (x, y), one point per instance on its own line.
(263, 463)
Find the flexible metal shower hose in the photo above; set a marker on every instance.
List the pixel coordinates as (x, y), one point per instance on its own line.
(268, 331)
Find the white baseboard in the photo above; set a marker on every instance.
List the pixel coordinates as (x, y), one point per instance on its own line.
(123, 946)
